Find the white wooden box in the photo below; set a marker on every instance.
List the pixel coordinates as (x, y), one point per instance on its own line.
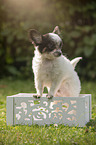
(24, 109)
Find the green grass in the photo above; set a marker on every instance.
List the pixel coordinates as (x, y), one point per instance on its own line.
(44, 135)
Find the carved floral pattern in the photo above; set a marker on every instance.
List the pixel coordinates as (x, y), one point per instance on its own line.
(44, 111)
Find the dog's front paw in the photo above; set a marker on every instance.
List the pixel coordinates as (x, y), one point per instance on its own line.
(37, 96)
(49, 96)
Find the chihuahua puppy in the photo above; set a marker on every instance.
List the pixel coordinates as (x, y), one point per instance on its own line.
(51, 68)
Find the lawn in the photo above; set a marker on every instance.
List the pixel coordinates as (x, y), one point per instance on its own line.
(44, 135)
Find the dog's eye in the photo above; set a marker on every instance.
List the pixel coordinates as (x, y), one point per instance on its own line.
(51, 46)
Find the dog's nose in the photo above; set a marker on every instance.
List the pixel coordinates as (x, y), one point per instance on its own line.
(57, 53)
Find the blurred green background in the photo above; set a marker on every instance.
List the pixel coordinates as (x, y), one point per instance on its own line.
(77, 22)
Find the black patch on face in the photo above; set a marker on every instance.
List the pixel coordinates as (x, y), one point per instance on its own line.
(47, 44)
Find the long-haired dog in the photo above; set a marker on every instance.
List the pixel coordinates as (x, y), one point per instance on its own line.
(52, 69)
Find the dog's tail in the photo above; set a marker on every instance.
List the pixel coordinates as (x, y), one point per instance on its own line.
(75, 61)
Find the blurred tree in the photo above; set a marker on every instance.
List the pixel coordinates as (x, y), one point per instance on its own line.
(76, 19)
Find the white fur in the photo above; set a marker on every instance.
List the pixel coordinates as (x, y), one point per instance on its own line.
(75, 61)
(56, 73)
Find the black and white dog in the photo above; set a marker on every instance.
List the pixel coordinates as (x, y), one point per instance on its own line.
(52, 69)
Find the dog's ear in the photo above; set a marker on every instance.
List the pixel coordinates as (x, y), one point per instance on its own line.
(35, 37)
(56, 30)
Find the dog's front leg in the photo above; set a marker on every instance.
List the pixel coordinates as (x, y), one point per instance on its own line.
(39, 88)
(54, 87)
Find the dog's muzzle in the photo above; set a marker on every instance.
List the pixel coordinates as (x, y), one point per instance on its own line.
(57, 53)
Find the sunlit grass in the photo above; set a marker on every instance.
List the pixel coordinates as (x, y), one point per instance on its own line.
(44, 135)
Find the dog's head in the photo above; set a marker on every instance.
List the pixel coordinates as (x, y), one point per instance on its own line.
(49, 45)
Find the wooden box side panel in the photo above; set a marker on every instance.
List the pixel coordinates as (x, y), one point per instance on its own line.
(10, 111)
(81, 112)
(87, 109)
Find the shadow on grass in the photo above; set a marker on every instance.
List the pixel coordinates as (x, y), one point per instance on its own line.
(92, 123)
